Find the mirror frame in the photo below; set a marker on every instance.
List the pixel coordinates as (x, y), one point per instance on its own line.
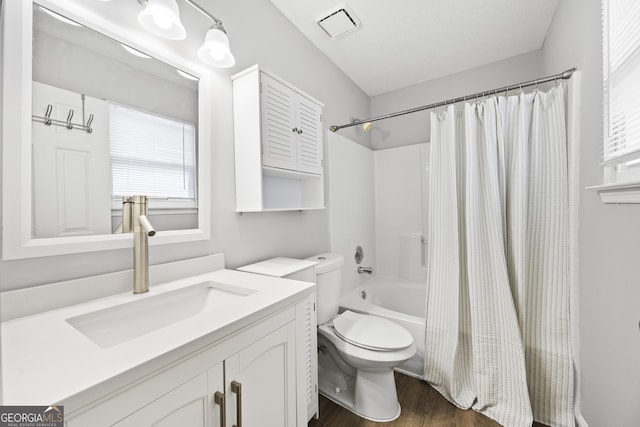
(17, 207)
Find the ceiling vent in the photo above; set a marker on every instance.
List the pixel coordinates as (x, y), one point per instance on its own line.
(338, 22)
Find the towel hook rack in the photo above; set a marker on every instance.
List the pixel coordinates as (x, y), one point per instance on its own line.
(68, 123)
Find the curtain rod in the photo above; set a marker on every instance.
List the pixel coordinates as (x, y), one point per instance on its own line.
(354, 122)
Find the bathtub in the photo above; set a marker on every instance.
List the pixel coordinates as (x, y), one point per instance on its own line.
(397, 300)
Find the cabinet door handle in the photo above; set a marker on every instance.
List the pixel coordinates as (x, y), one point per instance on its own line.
(236, 388)
(219, 399)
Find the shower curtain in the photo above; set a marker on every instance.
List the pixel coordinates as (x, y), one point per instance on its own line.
(497, 323)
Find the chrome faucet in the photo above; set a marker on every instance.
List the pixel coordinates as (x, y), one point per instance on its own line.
(142, 230)
(367, 270)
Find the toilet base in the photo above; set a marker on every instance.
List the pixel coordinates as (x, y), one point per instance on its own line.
(373, 397)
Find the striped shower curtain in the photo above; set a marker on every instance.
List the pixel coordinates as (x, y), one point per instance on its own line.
(497, 323)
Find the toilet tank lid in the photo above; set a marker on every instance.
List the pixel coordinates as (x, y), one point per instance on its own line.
(327, 262)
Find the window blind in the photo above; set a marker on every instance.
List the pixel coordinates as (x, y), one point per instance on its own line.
(621, 67)
(151, 155)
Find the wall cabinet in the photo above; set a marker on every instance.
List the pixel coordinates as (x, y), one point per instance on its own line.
(250, 379)
(279, 150)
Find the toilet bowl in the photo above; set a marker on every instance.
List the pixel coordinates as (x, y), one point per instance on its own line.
(357, 352)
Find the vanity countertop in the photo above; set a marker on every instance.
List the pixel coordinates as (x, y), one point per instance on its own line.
(45, 360)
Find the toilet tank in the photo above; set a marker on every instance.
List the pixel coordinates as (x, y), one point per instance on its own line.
(328, 280)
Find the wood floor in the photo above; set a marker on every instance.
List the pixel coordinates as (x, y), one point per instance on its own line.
(421, 405)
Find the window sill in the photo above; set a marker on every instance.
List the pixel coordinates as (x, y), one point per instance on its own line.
(626, 192)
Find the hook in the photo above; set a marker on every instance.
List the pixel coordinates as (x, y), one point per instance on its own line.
(47, 115)
(69, 117)
(89, 121)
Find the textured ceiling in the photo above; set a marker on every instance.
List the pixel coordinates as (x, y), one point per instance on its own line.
(402, 43)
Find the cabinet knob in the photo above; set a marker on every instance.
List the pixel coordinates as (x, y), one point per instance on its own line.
(299, 131)
(294, 130)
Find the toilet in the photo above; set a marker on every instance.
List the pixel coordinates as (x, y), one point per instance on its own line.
(356, 352)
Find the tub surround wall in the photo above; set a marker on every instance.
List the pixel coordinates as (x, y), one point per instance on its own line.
(401, 174)
(265, 37)
(351, 207)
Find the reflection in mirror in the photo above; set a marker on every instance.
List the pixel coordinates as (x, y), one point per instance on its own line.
(109, 122)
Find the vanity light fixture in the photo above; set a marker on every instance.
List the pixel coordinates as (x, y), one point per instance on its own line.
(162, 18)
(215, 49)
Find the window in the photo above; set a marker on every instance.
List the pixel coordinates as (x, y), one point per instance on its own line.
(153, 156)
(621, 68)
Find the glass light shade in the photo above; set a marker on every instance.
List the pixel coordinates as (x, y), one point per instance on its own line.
(134, 51)
(215, 49)
(60, 17)
(186, 75)
(162, 18)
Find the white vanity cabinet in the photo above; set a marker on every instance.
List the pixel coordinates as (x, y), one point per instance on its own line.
(247, 379)
(307, 357)
(279, 151)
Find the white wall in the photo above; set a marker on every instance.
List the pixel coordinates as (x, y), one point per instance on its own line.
(262, 36)
(609, 237)
(400, 176)
(414, 128)
(351, 207)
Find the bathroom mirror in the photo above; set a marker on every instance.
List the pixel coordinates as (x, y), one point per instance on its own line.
(57, 182)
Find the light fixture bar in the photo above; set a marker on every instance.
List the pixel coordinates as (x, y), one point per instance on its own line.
(204, 12)
(214, 51)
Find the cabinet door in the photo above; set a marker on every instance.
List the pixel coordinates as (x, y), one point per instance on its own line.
(309, 121)
(185, 405)
(265, 372)
(279, 131)
(216, 385)
(307, 359)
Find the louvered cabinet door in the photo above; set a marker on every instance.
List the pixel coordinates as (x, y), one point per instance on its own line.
(309, 121)
(307, 346)
(279, 131)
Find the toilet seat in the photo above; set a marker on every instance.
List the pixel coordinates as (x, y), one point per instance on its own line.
(371, 332)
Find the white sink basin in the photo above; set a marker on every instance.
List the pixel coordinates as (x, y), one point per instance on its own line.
(124, 322)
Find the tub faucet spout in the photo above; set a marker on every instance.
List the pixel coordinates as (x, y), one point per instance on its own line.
(368, 270)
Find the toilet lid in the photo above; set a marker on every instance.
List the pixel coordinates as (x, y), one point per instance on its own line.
(371, 332)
